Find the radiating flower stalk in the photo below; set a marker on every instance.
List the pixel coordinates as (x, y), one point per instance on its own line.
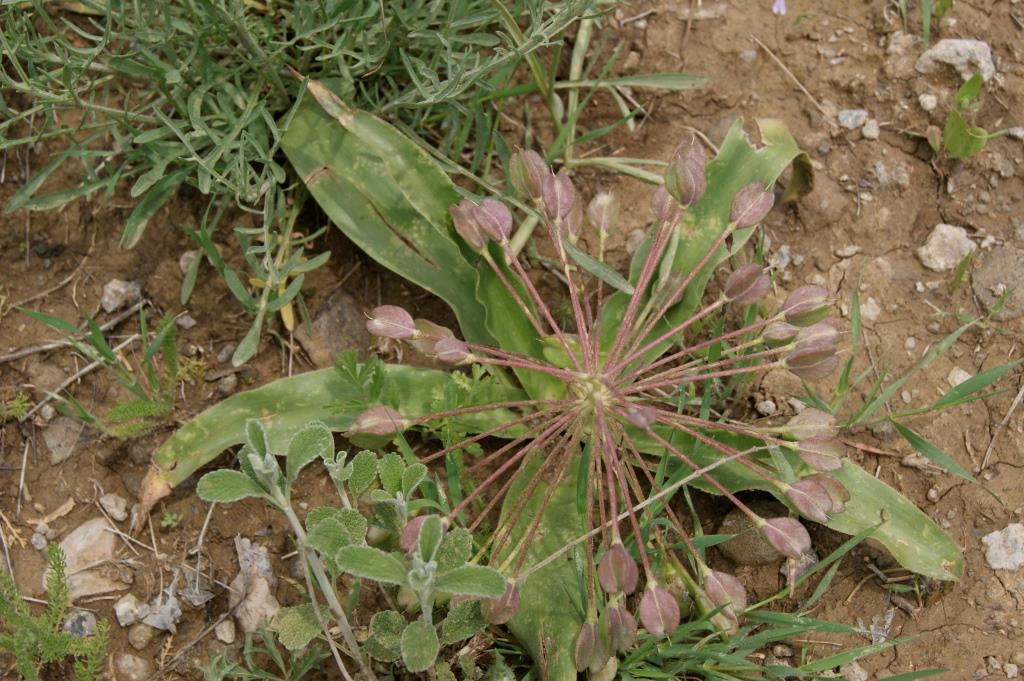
(622, 386)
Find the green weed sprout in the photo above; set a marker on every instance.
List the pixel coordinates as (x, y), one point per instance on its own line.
(432, 564)
(38, 641)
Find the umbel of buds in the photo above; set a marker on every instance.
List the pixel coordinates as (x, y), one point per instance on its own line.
(747, 285)
(659, 611)
(617, 570)
(502, 609)
(750, 205)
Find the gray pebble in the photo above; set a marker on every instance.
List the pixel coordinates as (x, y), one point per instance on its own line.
(131, 667)
(765, 407)
(80, 623)
(38, 541)
(140, 635)
(851, 119)
(224, 354)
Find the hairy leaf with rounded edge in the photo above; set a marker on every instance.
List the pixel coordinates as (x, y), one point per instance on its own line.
(295, 627)
(225, 486)
(315, 440)
(419, 646)
(463, 620)
(385, 640)
(471, 580)
(370, 563)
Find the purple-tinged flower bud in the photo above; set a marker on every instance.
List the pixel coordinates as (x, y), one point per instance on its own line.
(812, 359)
(603, 211)
(526, 173)
(779, 333)
(659, 611)
(559, 194)
(452, 351)
(691, 150)
(617, 570)
(664, 207)
(725, 590)
(428, 334)
(822, 452)
(642, 415)
(494, 218)
(811, 499)
(685, 181)
(750, 205)
(806, 305)
(409, 539)
(466, 225)
(747, 285)
(591, 652)
(811, 423)
(824, 331)
(378, 421)
(572, 225)
(500, 610)
(787, 535)
(391, 321)
(621, 627)
(839, 494)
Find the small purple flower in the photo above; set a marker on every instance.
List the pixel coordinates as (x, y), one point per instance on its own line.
(779, 8)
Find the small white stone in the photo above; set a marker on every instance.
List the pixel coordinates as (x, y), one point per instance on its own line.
(871, 130)
(854, 672)
(765, 407)
(38, 541)
(870, 310)
(1011, 670)
(905, 396)
(848, 251)
(910, 343)
(118, 293)
(185, 321)
(919, 286)
(966, 56)
(928, 102)
(225, 631)
(1004, 550)
(957, 376)
(946, 246)
(131, 668)
(115, 506)
(127, 610)
(851, 119)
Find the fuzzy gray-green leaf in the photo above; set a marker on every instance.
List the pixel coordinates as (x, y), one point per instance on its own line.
(472, 580)
(370, 563)
(390, 469)
(463, 620)
(364, 472)
(385, 640)
(419, 646)
(225, 486)
(296, 627)
(455, 549)
(312, 442)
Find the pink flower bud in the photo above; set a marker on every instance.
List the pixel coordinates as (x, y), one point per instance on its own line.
(685, 180)
(822, 452)
(466, 225)
(812, 359)
(621, 626)
(780, 333)
(494, 218)
(452, 351)
(391, 321)
(811, 423)
(747, 285)
(750, 205)
(663, 206)
(824, 331)
(659, 611)
(378, 421)
(617, 570)
(811, 499)
(591, 652)
(527, 171)
(428, 334)
(559, 194)
(642, 415)
(806, 305)
(839, 494)
(572, 225)
(725, 590)
(603, 211)
(409, 539)
(691, 150)
(500, 610)
(787, 535)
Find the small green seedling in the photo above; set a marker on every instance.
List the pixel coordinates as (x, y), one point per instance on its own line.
(38, 642)
(960, 139)
(170, 520)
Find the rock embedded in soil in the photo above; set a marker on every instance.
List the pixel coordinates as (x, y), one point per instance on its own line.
(118, 293)
(225, 632)
(748, 546)
(80, 623)
(854, 672)
(252, 599)
(871, 130)
(928, 101)
(1004, 549)
(851, 119)
(338, 325)
(966, 56)
(140, 635)
(128, 610)
(956, 376)
(129, 667)
(91, 543)
(1001, 272)
(61, 436)
(870, 310)
(115, 505)
(945, 247)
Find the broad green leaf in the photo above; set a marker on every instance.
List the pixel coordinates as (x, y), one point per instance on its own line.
(933, 453)
(390, 469)
(430, 537)
(463, 620)
(961, 140)
(364, 472)
(974, 384)
(419, 646)
(385, 640)
(456, 548)
(370, 563)
(225, 486)
(968, 91)
(312, 442)
(295, 627)
(471, 580)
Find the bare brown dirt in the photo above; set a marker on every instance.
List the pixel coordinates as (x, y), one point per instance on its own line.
(874, 202)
